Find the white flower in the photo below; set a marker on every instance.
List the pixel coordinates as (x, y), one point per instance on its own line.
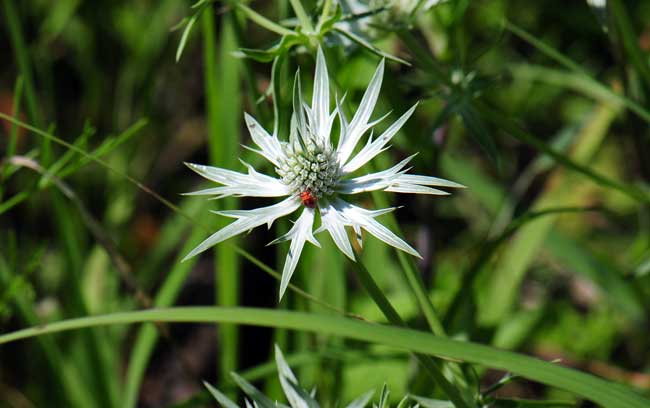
(315, 176)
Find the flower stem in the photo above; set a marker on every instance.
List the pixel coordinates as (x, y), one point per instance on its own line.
(433, 367)
(413, 277)
(416, 284)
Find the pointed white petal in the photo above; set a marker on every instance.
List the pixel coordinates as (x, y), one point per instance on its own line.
(362, 401)
(288, 381)
(247, 220)
(328, 127)
(311, 123)
(427, 181)
(299, 233)
(384, 234)
(335, 223)
(415, 184)
(298, 111)
(216, 174)
(304, 399)
(366, 220)
(233, 213)
(414, 189)
(221, 398)
(343, 119)
(283, 368)
(320, 102)
(373, 181)
(377, 146)
(259, 399)
(358, 125)
(293, 129)
(270, 146)
(252, 184)
(399, 168)
(269, 189)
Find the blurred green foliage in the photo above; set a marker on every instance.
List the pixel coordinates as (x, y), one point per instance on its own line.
(540, 108)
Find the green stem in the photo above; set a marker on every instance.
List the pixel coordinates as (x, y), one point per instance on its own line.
(22, 59)
(263, 21)
(305, 22)
(260, 110)
(629, 39)
(325, 13)
(413, 277)
(417, 285)
(433, 367)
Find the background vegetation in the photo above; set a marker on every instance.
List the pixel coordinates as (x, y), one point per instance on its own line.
(539, 108)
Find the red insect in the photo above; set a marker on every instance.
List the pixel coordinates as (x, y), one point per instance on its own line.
(308, 199)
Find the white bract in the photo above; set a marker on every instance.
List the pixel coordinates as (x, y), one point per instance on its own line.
(315, 176)
(297, 396)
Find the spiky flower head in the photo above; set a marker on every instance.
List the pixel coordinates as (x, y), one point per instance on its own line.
(315, 175)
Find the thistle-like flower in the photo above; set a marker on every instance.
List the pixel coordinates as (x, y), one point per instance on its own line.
(315, 176)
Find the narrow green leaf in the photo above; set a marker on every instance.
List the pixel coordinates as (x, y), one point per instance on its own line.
(606, 393)
(223, 97)
(188, 29)
(640, 110)
(630, 40)
(369, 46)
(263, 21)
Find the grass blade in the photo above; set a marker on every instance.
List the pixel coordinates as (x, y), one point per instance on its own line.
(608, 394)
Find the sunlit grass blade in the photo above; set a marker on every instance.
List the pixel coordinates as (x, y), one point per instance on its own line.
(561, 191)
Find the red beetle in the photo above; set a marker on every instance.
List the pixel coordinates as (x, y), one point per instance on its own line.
(308, 199)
